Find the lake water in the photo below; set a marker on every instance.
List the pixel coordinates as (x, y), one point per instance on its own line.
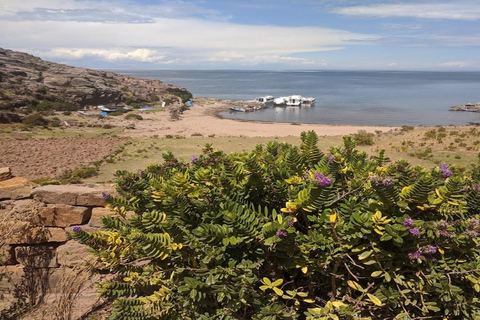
(342, 97)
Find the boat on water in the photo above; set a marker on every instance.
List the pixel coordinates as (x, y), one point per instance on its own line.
(237, 109)
(265, 99)
(294, 101)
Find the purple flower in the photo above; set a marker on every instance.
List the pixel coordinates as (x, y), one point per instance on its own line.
(446, 234)
(443, 166)
(141, 172)
(281, 233)
(472, 233)
(414, 255)
(322, 180)
(445, 171)
(476, 188)
(408, 223)
(194, 159)
(291, 222)
(105, 196)
(473, 223)
(387, 182)
(429, 249)
(77, 229)
(414, 232)
(331, 158)
(444, 224)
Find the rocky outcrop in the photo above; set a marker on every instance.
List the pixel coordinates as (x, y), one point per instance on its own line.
(44, 271)
(28, 80)
(469, 107)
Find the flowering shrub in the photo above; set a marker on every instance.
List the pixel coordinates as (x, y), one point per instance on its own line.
(283, 232)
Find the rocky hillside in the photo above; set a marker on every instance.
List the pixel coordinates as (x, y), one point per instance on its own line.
(26, 80)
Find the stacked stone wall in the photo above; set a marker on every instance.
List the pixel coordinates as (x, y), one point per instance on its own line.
(42, 269)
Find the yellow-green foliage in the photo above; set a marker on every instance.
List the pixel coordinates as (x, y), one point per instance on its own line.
(285, 232)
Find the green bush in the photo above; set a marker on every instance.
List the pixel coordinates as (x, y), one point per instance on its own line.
(133, 116)
(363, 138)
(286, 232)
(35, 120)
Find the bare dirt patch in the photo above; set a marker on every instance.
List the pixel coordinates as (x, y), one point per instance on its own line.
(41, 158)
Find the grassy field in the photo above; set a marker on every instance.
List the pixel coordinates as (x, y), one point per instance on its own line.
(420, 146)
(427, 146)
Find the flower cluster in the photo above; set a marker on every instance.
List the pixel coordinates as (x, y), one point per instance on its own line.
(445, 171)
(77, 229)
(291, 222)
(194, 159)
(105, 196)
(443, 232)
(331, 159)
(281, 233)
(424, 253)
(322, 180)
(409, 223)
(473, 228)
(386, 181)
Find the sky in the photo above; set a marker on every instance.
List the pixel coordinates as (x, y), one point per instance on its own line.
(247, 34)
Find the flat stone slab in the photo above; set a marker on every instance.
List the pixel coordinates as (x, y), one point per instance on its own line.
(72, 253)
(16, 188)
(5, 173)
(63, 215)
(35, 235)
(36, 256)
(97, 214)
(72, 195)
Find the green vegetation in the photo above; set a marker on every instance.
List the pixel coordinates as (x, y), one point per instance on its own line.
(133, 116)
(286, 232)
(363, 138)
(35, 120)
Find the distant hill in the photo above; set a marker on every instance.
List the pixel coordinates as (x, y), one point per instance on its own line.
(29, 81)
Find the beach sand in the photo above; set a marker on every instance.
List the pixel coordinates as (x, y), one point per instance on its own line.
(202, 119)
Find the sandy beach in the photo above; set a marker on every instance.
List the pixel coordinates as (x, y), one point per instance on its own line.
(202, 119)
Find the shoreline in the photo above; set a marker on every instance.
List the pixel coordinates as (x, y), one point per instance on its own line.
(204, 119)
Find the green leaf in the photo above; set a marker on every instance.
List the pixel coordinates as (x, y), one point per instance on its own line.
(355, 285)
(277, 283)
(365, 255)
(374, 299)
(376, 274)
(278, 291)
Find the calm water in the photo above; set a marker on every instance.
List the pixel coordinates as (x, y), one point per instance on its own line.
(343, 97)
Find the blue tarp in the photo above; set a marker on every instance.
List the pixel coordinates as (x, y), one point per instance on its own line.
(189, 103)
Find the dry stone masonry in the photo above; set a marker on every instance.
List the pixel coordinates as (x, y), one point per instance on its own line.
(39, 261)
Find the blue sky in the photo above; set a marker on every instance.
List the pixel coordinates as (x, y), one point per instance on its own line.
(247, 34)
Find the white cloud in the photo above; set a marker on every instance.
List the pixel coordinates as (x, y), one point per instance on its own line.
(456, 64)
(182, 38)
(140, 55)
(448, 11)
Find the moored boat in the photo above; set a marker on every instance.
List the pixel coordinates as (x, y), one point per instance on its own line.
(294, 101)
(264, 99)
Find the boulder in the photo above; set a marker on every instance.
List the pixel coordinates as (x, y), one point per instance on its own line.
(15, 188)
(74, 195)
(5, 173)
(36, 256)
(63, 215)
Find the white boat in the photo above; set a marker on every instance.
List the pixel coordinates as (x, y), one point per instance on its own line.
(264, 99)
(294, 101)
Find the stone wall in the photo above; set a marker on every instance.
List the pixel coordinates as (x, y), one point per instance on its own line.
(43, 269)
